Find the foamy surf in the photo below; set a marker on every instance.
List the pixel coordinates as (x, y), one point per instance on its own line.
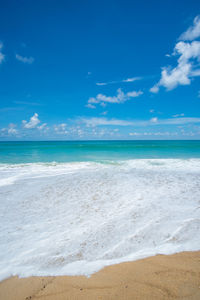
(75, 218)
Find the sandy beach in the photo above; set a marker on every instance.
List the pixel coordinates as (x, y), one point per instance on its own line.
(160, 277)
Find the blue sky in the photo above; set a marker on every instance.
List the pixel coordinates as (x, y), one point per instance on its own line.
(99, 70)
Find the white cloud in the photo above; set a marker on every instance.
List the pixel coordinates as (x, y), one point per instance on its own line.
(166, 133)
(24, 59)
(170, 79)
(34, 121)
(187, 66)
(133, 94)
(101, 83)
(61, 128)
(192, 32)
(103, 104)
(154, 120)
(178, 115)
(43, 126)
(121, 97)
(89, 105)
(154, 89)
(132, 79)
(2, 56)
(178, 121)
(11, 130)
(104, 121)
(92, 122)
(134, 133)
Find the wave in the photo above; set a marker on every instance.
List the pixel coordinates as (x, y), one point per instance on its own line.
(75, 218)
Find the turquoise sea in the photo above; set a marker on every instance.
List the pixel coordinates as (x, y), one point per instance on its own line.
(71, 151)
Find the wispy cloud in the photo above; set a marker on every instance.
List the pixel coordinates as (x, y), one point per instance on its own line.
(132, 79)
(146, 134)
(2, 56)
(104, 121)
(187, 62)
(101, 83)
(24, 59)
(152, 122)
(89, 74)
(178, 115)
(89, 105)
(121, 97)
(33, 122)
(12, 108)
(42, 127)
(28, 103)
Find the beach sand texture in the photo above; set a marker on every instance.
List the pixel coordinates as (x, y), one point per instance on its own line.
(160, 277)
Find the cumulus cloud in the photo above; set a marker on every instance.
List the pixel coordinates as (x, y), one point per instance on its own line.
(2, 56)
(192, 32)
(9, 131)
(154, 89)
(12, 131)
(24, 59)
(61, 128)
(121, 97)
(188, 54)
(34, 121)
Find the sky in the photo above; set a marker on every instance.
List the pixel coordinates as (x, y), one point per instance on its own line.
(87, 70)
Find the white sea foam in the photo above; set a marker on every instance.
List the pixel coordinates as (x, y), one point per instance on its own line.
(76, 218)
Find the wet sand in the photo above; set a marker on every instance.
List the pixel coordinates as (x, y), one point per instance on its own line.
(160, 277)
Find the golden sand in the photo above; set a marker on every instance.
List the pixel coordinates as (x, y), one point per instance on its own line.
(160, 277)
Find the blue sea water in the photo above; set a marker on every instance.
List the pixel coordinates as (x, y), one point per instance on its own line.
(72, 151)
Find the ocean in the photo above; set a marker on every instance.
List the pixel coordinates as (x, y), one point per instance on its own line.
(71, 208)
(77, 151)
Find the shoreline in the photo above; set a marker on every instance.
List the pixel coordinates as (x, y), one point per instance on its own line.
(158, 277)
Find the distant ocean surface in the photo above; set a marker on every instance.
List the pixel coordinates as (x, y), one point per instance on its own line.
(61, 151)
(71, 208)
